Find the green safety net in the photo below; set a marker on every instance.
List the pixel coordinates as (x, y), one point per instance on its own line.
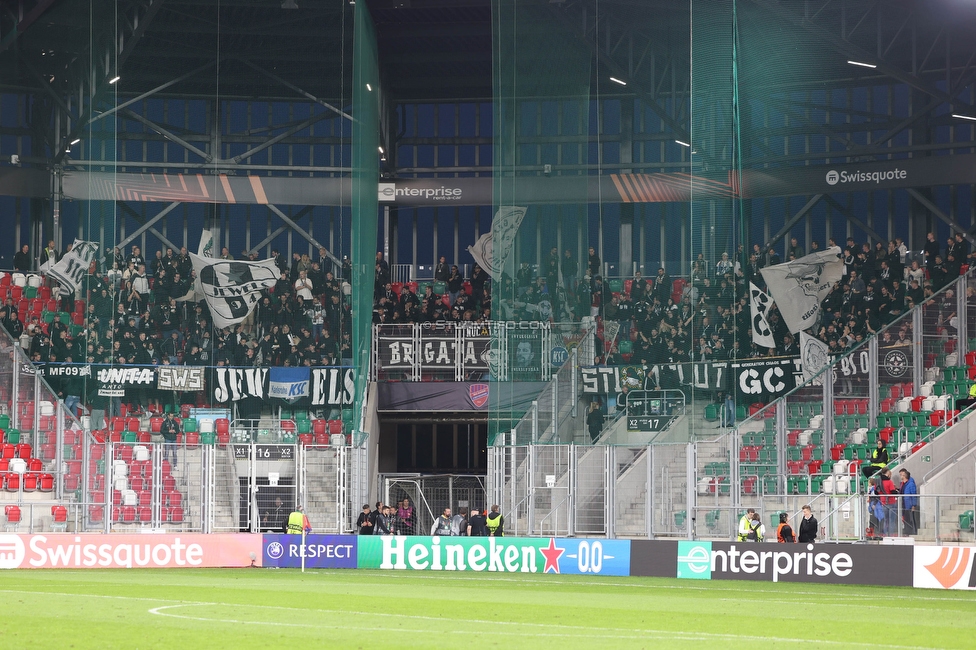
(542, 102)
(365, 175)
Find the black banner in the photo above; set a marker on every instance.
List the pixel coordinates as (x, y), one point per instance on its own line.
(768, 562)
(894, 366)
(434, 352)
(610, 380)
(112, 381)
(765, 379)
(331, 386)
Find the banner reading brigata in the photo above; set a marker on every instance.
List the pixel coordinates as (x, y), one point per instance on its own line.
(93, 551)
(496, 554)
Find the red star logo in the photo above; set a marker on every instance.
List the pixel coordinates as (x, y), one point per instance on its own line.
(552, 554)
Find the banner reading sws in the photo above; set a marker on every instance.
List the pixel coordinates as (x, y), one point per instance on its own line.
(496, 554)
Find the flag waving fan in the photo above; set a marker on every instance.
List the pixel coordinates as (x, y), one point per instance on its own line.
(492, 248)
(799, 286)
(232, 288)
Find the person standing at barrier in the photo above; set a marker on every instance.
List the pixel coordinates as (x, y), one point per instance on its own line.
(745, 525)
(757, 531)
(909, 504)
(274, 520)
(364, 525)
(890, 502)
(298, 522)
(381, 523)
(442, 525)
(477, 525)
(594, 421)
(459, 523)
(169, 429)
(879, 459)
(809, 527)
(406, 517)
(784, 532)
(495, 523)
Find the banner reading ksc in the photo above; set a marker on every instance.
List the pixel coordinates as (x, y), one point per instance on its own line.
(321, 551)
(496, 554)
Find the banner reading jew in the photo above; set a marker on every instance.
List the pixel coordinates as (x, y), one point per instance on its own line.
(233, 288)
(73, 267)
(327, 386)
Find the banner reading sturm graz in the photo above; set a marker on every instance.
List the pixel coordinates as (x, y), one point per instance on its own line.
(496, 554)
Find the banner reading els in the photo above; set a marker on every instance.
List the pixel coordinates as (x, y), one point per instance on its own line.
(93, 551)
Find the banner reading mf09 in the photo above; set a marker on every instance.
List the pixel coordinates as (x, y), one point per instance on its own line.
(496, 554)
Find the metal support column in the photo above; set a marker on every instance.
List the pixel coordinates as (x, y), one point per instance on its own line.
(781, 443)
(691, 491)
(873, 406)
(962, 312)
(917, 349)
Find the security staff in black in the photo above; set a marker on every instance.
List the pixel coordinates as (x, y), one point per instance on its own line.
(879, 460)
(495, 523)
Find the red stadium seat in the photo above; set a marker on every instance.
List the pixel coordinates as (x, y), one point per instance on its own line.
(335, 427)
(96, 514)
(128, 514)
(13, 482)
(30, 482)
(176, 514)
(71, 482)
(132, 424)
(305, 439)
(12, 513)
(145, 514)
(59, 514)
(222, 425)
(319, 426)
(145, 498)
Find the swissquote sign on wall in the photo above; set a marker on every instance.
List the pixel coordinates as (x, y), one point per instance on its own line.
(92, 551)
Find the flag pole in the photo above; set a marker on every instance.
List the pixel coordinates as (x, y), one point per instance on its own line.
(303, 549)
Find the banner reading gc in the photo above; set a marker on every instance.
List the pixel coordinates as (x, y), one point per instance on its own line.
(496, 554)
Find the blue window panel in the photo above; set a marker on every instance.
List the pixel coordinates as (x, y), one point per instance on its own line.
(467, 120)
(408, 112)
(964, 205)
(901, 201)
(425, 120)
(466, 236)
(425, 156)
(425, 231)
(302, 112)
(550, 118)
(611, 153)
(486, 128)
(445, 120)
(466, 155)
(486, 154)
(405, 234)
(611, 117)
(445, 156)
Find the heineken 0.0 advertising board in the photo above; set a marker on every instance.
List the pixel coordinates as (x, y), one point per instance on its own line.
(496, 554)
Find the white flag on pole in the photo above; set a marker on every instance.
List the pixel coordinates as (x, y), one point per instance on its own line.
(762, 333)
(814, 355)
(73, 267)
(233, 288)
(799, 286)
(492, 248)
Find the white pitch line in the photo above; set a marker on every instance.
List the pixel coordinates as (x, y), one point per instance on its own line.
(571, 630)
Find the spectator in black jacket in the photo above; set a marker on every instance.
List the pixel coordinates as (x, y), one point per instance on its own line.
(808, 527)
(22, 260)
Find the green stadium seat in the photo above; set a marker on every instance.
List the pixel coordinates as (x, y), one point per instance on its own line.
(770, 484)
(208, 438)
(711, 412)
(774, 520)
(679, 518)
(129, 437)
(626, 346)
(816, 483)
(189, 425)
(30, 292)
(4, 422)
(966, 521)
(289, 437)
(440, 287)
(13, 436)
(616, 285)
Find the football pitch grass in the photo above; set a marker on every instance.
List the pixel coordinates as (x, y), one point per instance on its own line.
(262, 608)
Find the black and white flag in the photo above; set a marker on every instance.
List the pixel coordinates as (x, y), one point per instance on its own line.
(492, 248)
(814, 355)
(762, 333)
(798, 287)
(71, 270)
(233, 288)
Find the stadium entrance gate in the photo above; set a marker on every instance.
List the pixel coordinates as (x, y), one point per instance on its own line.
(430, 494)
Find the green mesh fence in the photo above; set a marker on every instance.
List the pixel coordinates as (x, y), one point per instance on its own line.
(541, 120)
(365, 175)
